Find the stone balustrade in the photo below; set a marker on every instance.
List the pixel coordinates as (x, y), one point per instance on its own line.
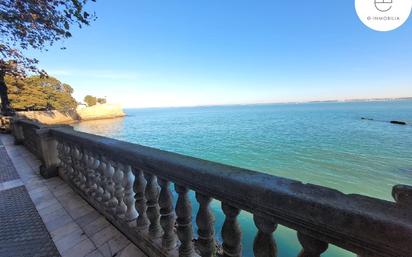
(24, 132)
(134, 187)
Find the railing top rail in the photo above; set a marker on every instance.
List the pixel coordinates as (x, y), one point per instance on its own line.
(354, 222)
(30, 123)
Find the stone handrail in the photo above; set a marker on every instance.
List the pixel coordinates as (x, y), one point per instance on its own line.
(130, 185)
(25, 132)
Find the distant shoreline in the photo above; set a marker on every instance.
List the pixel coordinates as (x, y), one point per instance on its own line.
(96, 112)
(361, 100)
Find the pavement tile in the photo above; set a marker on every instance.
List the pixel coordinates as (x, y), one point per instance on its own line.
(88, 218)
(35, 196)
(58, 222)
(114, 245)
(131, 251)
(96, 226)
(62, 190)
(44, 204)
(80, 250)
(50, 209)
(53, 182)
(80, 211)
(104, 235)
(95, 253)
(65, 230)
(39, 189)
(59, 213)
(71, 239)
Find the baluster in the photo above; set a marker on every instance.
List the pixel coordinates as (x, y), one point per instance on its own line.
(66, 160)
(139, 187)
(93, 175)
(67, 154)
(83, 170)
(152, 197)
(61, 156)
(72, 162)
(86, 169)
(205, 223)
(105, 171)
(70, 159)
(264, 244)
(60, 153)
(184, 222)
(167, 215)
(100, 180)
(88, 172)
(231, 232)
(402, 194)
(79, 181)
(79, 173)
(131, 213)
(312, 247)
(119, 191)
(77, 156)
(98, 192)
(112, 202)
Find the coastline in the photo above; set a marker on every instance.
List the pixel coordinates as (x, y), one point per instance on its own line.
(97, 112)
(360, 100)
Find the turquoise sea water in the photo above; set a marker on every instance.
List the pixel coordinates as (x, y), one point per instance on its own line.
(320, 143)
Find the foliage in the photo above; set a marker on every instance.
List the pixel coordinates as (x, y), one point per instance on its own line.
(35, 24)
(90, 100)
(40, 93)
(101, 100)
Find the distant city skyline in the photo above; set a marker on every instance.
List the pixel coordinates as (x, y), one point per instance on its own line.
(194, 53)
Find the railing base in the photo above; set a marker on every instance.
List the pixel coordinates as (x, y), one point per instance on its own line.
(18, 141)
(48, 172)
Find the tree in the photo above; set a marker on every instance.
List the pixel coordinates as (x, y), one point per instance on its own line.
(40, 93)
(90, 100)
(35, 24)
(101, 100)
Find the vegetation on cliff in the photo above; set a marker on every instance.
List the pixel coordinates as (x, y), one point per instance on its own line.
(40, 93)
(92, 100)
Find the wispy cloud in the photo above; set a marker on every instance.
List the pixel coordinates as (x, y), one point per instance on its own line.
(95, 74)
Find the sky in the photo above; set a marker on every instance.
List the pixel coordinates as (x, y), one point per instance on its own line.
(152, 53)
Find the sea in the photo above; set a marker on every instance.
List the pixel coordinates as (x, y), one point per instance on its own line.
(327, 144)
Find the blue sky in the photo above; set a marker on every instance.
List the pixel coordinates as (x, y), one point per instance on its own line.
(148, 53)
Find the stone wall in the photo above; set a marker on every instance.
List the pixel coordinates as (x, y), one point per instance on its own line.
(101, 111)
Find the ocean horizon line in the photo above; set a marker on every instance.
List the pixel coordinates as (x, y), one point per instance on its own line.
(281, 103)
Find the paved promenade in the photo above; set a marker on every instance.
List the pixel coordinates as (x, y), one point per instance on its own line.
(40, 217)
(22, 231)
